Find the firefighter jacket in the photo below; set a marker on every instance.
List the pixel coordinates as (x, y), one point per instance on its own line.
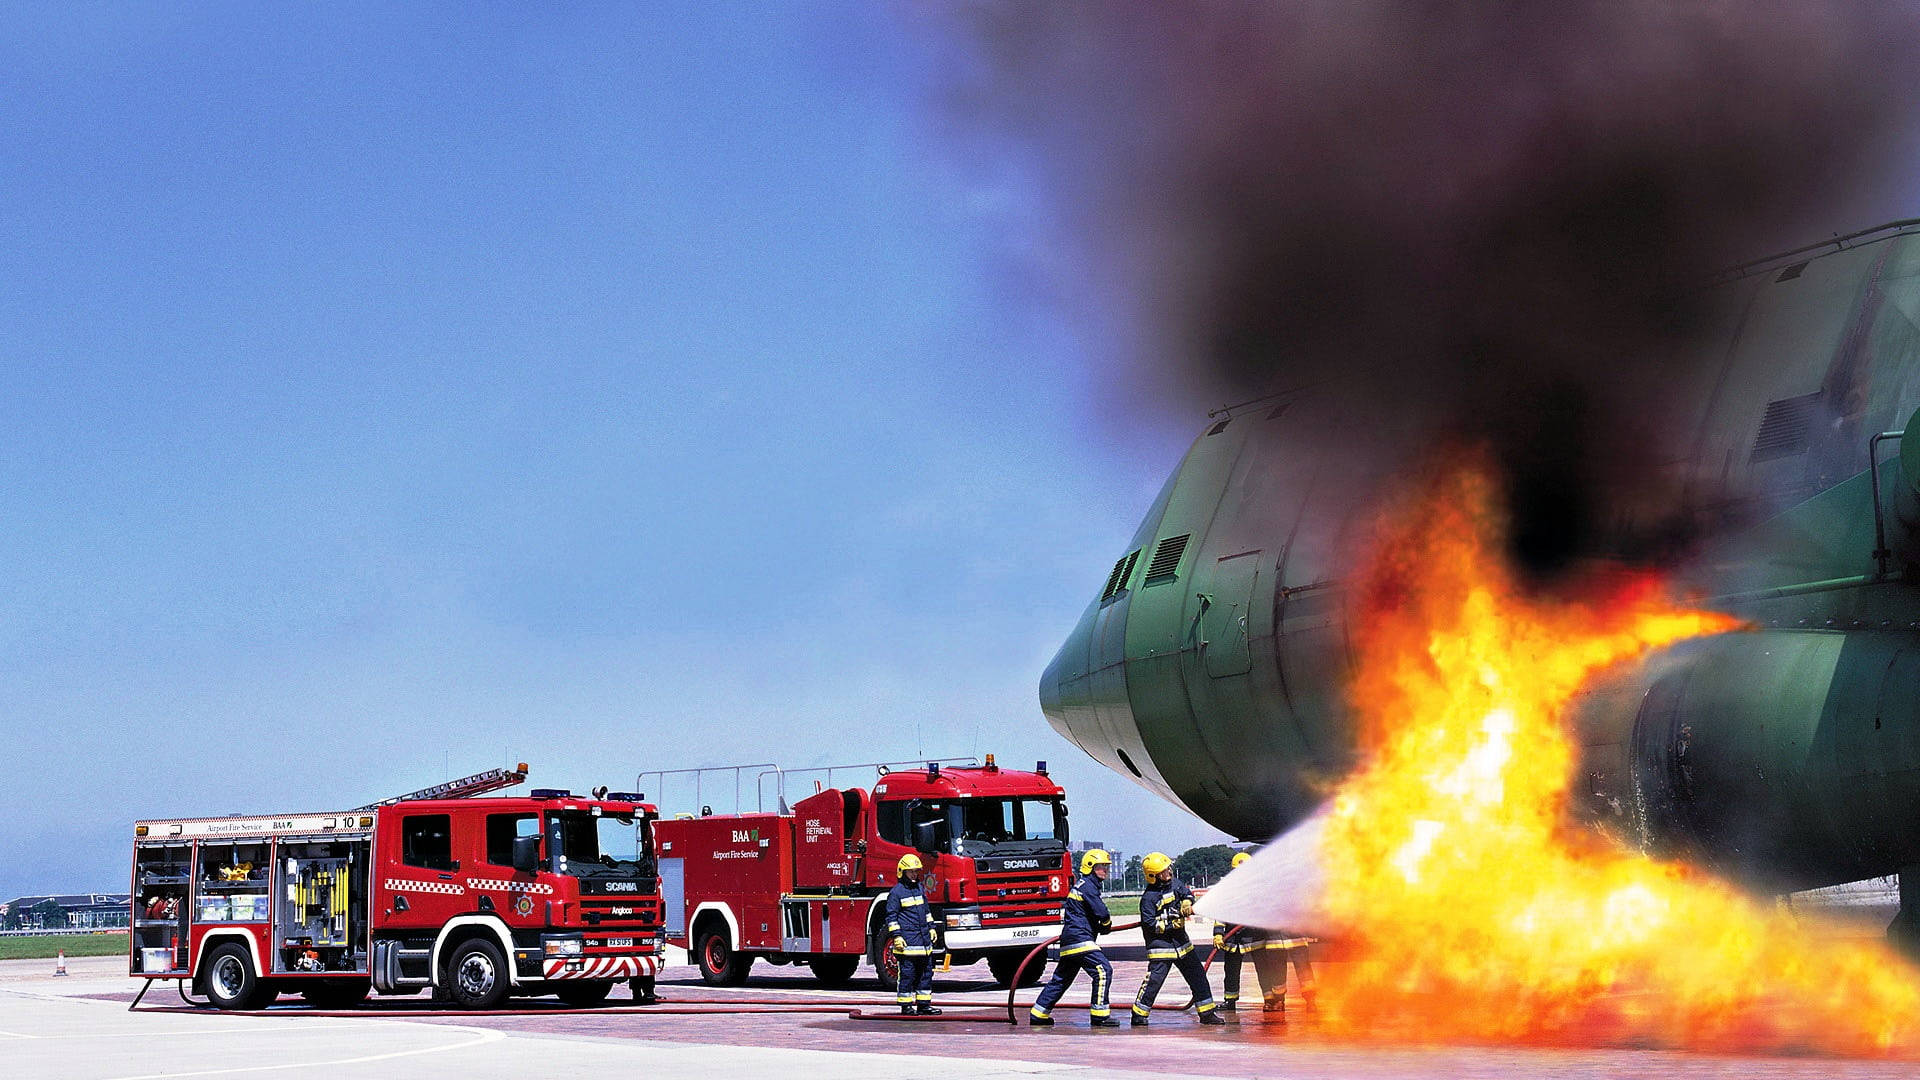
(1162, 922)
(910, 919)
(1237, 939)
(1083, 918)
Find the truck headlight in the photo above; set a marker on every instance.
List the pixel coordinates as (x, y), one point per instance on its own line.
(568, 946)
(966, 920)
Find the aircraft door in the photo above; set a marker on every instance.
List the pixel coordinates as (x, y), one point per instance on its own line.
(1225, 622)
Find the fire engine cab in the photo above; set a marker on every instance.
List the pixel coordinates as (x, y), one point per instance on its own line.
(810, 885)
(472, 898)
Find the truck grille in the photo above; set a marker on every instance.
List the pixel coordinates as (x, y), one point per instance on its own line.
(610, 910)
(1025, 896)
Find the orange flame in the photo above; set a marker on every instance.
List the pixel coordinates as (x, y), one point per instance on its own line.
(1477, 912)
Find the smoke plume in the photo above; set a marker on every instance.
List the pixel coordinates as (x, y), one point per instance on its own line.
(1482, 221)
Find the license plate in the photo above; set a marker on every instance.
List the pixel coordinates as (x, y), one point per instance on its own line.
(1026, 933)
(619, 943)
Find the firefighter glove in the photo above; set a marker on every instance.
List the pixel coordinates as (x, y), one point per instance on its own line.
(899, 945)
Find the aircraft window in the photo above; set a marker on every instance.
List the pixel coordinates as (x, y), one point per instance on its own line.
(1128, 762)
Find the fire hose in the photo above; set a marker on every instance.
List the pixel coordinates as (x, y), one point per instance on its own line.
(766, 1006)
(730, 1007)
(1013, 1016)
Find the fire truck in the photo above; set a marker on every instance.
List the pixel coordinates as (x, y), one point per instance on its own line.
(809, 885)
(472, 898)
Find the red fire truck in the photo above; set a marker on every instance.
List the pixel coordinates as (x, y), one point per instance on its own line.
(810, 885)
(473, 898)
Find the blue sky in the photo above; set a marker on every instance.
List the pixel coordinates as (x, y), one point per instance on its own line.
(384, 392)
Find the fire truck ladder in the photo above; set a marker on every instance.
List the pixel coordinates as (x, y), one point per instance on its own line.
(739, 773)
(464, 788)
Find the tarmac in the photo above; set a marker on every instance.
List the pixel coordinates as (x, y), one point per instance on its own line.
(79, 1027)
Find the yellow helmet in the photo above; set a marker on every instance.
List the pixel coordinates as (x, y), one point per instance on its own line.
(909, 861)
(1094, 857)
(1240, 857)
(1155, 864)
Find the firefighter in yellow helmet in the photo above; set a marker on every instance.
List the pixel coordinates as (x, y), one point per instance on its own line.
(1083, 918)
(1271, 951)
(1235, 944)
(1164, 909)
(914, 939)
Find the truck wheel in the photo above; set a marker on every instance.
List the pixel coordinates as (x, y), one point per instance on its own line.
(833, 971)
(477, 975)
(336, 993)
(580, 994)
(720, 964)
(885, 963)
(231, 982)
(1004, 962)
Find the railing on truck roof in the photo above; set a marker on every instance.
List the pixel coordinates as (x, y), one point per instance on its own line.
(761, 770)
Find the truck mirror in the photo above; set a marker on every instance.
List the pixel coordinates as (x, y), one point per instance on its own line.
(926, 836)
(526, 853)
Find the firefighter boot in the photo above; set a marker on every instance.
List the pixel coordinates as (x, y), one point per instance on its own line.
(1139, 1021)
(1211, 1018)
(907, 1010)
(1105, 1021)
(1230, 1005)
(1276, 1002)
(925, 1009)
(1039, 1021)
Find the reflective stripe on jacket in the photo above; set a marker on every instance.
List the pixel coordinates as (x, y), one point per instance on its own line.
(1083, 917)
(910, 918)
(1237, 939)
(1161, 923)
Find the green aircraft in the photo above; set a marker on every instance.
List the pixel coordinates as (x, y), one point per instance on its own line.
(1209, 667)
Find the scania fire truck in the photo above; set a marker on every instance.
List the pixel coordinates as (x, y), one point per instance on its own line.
(810, 885)
(473, 898)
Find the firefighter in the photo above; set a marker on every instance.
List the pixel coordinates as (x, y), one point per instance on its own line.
(914, 939)
(1164, 909)
(1082, 920)
(1235, 944)
(1274, 952)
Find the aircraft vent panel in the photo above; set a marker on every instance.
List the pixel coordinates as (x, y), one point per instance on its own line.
(1220, 427)
(1791, 272)
(1786, 428)
(1122, 573)
(1279, 410)
(1166, 557)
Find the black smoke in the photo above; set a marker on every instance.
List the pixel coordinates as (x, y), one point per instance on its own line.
(1485, 221)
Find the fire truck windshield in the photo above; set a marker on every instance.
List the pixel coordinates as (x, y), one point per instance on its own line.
(599, 845)
(1007, 826)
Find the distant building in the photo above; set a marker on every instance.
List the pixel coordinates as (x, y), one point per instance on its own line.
(84, 911)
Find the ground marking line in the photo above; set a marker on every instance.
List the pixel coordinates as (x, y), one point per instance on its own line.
(17, 1035)
(237, 1029)
(58, 999)
(479, 1038)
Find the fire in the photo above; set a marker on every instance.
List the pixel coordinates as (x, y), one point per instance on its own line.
(1477, 911)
